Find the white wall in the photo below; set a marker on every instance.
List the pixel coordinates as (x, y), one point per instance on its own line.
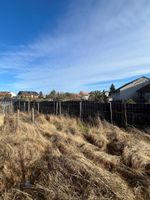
(130, 91)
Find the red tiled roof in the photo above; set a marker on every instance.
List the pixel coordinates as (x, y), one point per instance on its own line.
(4, 93)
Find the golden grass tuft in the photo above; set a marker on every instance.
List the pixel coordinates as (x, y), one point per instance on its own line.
(63, 158)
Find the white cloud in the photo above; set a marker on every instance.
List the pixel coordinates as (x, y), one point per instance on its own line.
(95, 41)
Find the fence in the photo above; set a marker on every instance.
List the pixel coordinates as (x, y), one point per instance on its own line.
(117, 113)
(6, 106)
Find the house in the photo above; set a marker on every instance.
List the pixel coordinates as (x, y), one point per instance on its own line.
(144, 93)
(4, 95)
(28, 95)
(106, 93)
(13, 95)
(131, 90)
(84, 96)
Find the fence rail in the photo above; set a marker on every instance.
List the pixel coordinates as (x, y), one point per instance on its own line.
(117, 113)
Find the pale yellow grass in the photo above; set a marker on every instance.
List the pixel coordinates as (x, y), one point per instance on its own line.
(63, 158)
(2, 119)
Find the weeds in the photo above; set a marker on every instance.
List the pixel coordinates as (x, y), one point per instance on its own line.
(63, 158)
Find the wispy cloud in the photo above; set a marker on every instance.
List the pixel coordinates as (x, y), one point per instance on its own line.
(95, 41)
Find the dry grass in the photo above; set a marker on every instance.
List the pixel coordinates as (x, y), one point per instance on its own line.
(60, 158)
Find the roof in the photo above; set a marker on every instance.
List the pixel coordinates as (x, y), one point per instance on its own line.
(81, 93)
(27, 93)
(118, 90)
(4, 93)
(144, 89)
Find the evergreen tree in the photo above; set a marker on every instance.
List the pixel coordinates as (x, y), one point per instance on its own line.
(112, 89)
(40, 94)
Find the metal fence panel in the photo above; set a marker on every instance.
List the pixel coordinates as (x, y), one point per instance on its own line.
(134, 114)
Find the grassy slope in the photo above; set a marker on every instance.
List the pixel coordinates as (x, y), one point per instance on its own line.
(62, 158)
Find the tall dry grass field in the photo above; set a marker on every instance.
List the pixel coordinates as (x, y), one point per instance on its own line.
(60, 158)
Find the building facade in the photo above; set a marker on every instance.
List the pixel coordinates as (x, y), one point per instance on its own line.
(130, 90)
(28, 95)
(4, 95)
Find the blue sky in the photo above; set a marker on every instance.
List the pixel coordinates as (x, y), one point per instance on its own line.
(73, 45)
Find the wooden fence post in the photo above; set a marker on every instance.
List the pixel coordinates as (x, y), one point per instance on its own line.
(125, 115)
(11, 107)
(38, 106)
(111, 116)
(28, 106)
(24, 106)
(19, 104)
(32, 115)
(18, 113)
(60, 107)
(56, 107)
(80, 112)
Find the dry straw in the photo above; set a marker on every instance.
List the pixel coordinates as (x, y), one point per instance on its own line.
(63, 158)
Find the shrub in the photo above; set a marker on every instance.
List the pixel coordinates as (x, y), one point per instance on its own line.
(130, 101)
